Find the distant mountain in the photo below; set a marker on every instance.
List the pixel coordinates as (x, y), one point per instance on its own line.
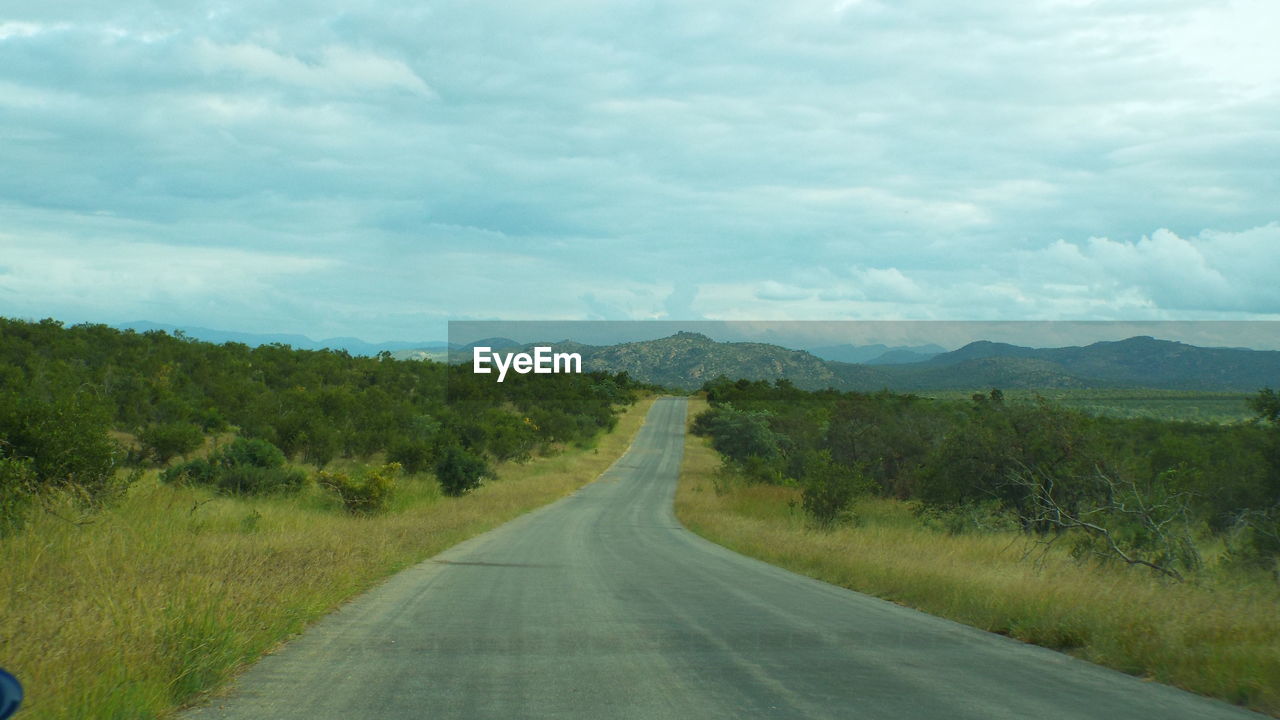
(1135, 362)
(493, 343)
(687, 360)
(900, 356)
(873, 354)
(355, 346)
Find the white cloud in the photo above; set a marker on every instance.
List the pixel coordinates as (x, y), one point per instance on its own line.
(773, 290)
(336, 69)
(1222, 271)
(136, 277)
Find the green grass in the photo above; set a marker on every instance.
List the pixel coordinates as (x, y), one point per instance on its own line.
(1218, 635)
(136, 610)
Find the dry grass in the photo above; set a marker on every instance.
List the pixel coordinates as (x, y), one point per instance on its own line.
(167, 594)
(1218, 636)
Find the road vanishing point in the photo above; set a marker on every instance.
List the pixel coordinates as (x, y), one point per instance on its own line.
(602, 605)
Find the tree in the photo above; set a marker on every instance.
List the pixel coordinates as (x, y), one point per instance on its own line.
(830, 488)
(461, 471)
(164, 441)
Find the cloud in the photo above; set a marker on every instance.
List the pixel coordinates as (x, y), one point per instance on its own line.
(814, 159)
(336, 68)
(772, 290)
(138, 279)
(1213, 271)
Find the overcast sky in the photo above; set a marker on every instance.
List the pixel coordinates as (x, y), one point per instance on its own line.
(363, 169)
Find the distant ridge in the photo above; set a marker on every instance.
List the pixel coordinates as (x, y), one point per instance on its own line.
(688, 360)
(355, 346)
(877, 354)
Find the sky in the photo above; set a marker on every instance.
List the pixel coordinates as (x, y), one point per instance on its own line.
(375, 169)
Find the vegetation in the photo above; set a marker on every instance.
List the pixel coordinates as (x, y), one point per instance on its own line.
(1218, 636)
(369, 493)
(245, 467)
(1142, 492)
(63, 391)
(688, 360)
(288, 480)
(1018, 517)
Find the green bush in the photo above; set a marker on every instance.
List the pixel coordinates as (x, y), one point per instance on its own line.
(460, 471)
(369, 494)
(245, 467)
(193, 472)
(65, 440)
(164, 441)
(829, 489)
(250, 451)
(253, 480)
(413, 455)
(17, 490)
(1254, 541)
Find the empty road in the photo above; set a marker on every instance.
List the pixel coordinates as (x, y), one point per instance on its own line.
(602, 606)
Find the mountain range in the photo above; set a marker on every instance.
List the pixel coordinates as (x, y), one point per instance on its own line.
(687, 360)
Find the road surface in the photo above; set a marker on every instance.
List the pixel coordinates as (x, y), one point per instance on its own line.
(602, 606)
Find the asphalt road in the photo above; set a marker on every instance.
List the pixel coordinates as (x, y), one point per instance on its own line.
(603, 606)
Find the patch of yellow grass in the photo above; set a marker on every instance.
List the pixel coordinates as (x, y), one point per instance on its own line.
(167, 594)
(1217, 636)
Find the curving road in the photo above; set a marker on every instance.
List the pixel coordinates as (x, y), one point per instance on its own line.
(602, 606)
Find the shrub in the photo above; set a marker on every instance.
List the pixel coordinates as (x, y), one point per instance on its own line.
(412, 455)
(1254, 541)
(253, 480)
(829, 489)
(163, 441)
(370, 494)
(65, 441)
(460, 471)
(250, 451)
(17, 488)
(245, 467)
(193, 472)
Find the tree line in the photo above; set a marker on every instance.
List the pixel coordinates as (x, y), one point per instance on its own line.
(64, 390)
(1143, 491)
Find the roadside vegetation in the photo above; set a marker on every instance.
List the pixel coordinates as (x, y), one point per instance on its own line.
(1148, 546)
(170, 510)
(1200, 406)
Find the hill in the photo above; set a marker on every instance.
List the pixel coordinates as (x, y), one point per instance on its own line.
(687, 360)
(1136, 362)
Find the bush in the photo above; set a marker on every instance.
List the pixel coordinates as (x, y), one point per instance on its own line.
(459, 471)
(193, 472)
(413, 456)
(163, 441)
(250, 451)
(1254, 540)
(829, 489)
(64, 440)
(245, 467)
(17, 489)
(370, 494)
(252, 480)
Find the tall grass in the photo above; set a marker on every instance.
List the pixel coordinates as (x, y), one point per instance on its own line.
(1218, 635)
(133, 611)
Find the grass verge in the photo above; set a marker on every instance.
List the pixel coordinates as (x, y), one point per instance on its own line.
(1218, 636)
(166, 595)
